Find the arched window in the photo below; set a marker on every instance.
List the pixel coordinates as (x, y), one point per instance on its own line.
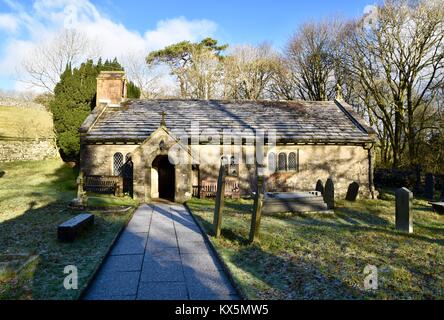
(118, 163)
(127, 157)
(292, 162)
(234, 166)
(271, 162)
(282, 163)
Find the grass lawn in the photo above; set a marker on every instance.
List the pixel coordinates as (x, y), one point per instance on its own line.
(318, 256)
(33, 202)
(25, 123)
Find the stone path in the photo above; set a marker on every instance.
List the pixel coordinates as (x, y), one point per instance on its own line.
(161, 255)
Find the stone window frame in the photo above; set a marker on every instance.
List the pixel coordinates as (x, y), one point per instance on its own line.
(282, 162)
(233, 167)
(118, 163)
(293, 164)
(272, 161)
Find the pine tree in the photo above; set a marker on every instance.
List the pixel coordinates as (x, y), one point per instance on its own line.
(133, 91)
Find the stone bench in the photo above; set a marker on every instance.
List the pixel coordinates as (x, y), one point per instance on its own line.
(69, 230)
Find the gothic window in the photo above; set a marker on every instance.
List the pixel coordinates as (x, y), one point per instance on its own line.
(117, 163)
(234, 167)
(292, 162)
(282, 162)
(271, 162)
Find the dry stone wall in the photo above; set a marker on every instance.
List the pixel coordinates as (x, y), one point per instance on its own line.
(27, 150)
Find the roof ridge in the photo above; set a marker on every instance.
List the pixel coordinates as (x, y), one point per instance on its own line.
(301, 101)
(354, 117)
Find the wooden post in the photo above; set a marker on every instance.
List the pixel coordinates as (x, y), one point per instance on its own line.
(220, 195)
(257, 210)
(404, 213)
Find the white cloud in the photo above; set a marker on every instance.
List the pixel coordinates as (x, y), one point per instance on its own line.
(29, 28)
(8, 23)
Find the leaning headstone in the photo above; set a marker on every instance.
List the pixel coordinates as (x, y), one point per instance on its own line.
(429, 188)
(352, 192)
(329, 194)
(404, 214)
(320, 186)
(220, 195)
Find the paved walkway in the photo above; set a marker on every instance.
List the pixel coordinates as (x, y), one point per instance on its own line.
(161, 255)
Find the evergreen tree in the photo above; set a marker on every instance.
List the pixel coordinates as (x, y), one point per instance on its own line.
(74, 98)
(133, 91)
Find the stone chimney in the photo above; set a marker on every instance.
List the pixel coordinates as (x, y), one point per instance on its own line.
(111, 88)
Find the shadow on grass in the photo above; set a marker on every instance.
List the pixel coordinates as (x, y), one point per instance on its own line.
(34, 232)
(303, 265)
(292, 278)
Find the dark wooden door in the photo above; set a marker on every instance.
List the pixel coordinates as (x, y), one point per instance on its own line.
(127, 173)
(167, 179)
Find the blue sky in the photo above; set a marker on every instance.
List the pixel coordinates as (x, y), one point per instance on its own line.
(138, 26)
(238, 21)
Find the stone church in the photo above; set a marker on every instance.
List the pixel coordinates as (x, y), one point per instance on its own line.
(311, 140)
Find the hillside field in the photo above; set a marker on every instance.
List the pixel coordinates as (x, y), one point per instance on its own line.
(25, 123)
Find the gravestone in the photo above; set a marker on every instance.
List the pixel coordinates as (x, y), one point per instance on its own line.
(404, 214)
(329, 194)
(429, 188)
(81, 202)
(257, 210)
(320, 186)
(220, 198)
(352, 192)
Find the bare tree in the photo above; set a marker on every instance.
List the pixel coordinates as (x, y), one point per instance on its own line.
(147, 78)
(205, 74)
(308, 63)
(248, 71)
(398, 59)
(44, 65)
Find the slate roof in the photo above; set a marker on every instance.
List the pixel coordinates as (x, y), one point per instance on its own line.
(294, 122)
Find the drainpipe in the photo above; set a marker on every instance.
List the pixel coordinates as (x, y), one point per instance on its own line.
(370, 149)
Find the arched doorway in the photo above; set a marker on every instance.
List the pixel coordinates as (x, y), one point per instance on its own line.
(166, 178)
